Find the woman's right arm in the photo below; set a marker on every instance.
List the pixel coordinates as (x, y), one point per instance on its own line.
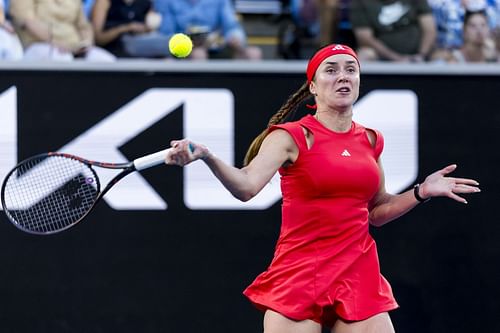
(277, 149)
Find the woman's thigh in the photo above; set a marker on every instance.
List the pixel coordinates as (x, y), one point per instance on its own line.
(380, 323)
(277, 323)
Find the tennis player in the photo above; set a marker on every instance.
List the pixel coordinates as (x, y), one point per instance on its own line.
(325, 270)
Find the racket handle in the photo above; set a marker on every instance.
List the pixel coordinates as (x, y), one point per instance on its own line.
(151, 160)
(154, 159)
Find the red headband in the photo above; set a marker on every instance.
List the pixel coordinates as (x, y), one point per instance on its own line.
(324, 53)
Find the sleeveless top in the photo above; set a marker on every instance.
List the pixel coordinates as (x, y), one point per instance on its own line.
(325, 259)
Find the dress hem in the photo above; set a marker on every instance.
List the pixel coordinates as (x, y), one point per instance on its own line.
(263, 306)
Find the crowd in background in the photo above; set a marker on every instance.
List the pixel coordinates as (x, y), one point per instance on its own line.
(447, 31)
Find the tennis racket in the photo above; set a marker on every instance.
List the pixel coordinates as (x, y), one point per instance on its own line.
(51, 192)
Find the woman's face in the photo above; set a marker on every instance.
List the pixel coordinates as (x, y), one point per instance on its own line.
(336, 82)
(476, 30)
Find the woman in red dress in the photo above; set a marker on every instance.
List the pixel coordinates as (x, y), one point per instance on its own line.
(325, 270)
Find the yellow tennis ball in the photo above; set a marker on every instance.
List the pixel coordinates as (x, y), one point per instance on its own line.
(180, 45)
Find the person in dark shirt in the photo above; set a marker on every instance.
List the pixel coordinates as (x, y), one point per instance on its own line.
(128, 28)
(393, 30)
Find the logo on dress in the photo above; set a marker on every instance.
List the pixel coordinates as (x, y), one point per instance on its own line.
(345, 153)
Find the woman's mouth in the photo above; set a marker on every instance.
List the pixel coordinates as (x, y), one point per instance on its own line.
(343, 90)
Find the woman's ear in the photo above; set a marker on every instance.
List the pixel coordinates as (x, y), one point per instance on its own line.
(312, 88)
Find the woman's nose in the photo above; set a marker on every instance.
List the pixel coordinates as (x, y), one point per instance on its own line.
(343, 77)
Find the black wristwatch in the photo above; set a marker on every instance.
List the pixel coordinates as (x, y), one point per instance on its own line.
(416, 189)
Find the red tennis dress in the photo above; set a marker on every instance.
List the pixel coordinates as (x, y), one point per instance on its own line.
(326, 265)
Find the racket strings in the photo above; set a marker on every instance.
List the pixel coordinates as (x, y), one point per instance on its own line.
(48, 194)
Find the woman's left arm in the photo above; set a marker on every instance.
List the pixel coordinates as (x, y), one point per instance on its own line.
(385, 207)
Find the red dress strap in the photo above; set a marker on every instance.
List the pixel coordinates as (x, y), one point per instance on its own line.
(296, 131)
(379, 142)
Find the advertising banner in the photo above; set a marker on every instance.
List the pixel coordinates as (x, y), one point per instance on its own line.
(170, 250)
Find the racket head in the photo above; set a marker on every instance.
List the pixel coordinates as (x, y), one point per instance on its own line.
(49, 193)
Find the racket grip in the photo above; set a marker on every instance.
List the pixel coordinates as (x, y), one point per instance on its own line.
(154, 159)
(151, 160)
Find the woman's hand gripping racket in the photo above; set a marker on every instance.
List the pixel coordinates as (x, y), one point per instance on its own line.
(52, 192)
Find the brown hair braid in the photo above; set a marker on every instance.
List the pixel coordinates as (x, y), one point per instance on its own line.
(279, 117)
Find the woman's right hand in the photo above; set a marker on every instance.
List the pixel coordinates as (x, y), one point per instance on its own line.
(184, 152)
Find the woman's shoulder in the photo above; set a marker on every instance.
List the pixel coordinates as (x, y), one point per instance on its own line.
(295, 123)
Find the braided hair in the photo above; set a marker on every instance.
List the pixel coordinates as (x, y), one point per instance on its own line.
(279, 117)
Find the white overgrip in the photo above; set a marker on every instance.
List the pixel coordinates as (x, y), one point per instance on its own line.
(151, 160)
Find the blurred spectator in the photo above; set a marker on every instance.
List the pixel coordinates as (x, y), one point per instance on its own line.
(394, 30)
(449, 17)
(55, 30)
(302, 27)
(335, 25)
(212, 24)
(306, 14)
(495, 36)
(478, 45)
(328, 20)
(128, 28)
(315, 22)
(10, 46)
(87, 7)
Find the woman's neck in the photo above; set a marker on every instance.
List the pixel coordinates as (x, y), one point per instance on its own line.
(335, 121)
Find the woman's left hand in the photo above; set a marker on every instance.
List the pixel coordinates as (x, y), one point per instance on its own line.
(438, 184)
